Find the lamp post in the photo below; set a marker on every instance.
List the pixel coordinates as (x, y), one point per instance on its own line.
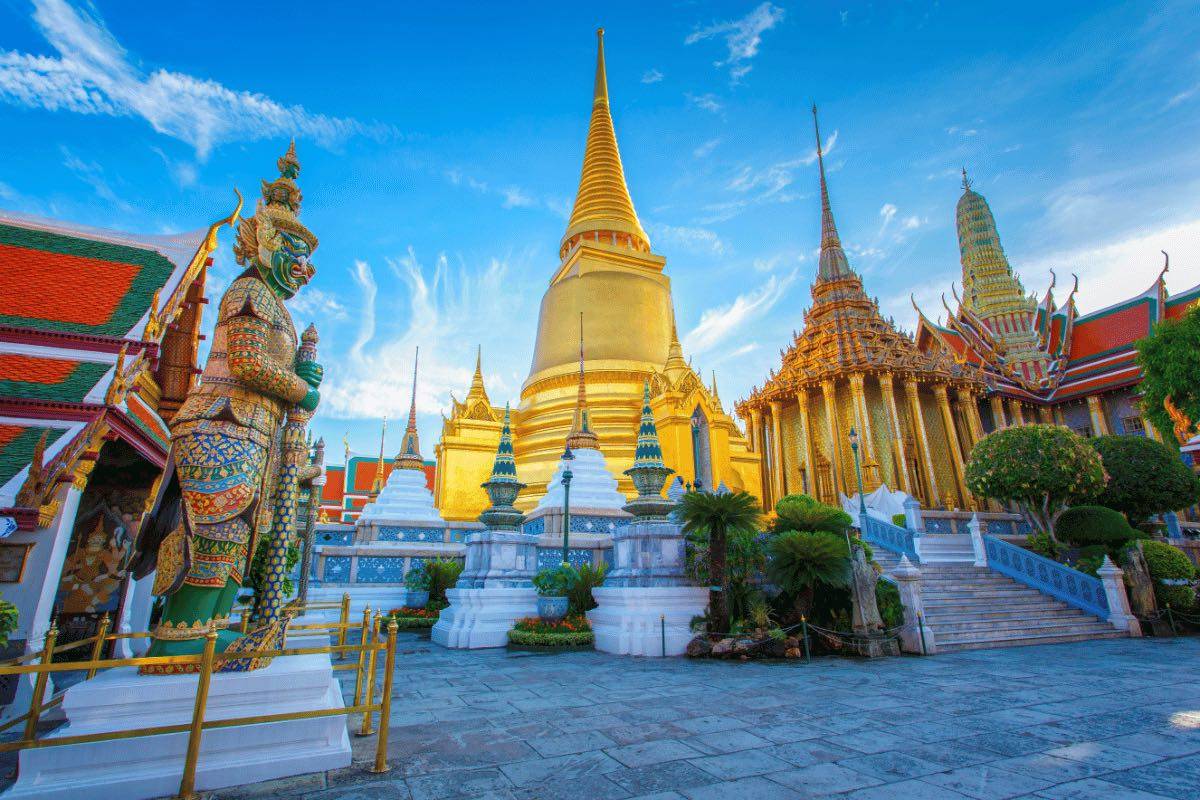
(568, 457)
(696, 452)
(862, 500)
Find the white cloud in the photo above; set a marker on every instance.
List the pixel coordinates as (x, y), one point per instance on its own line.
(704, 150)
(184, 173)
(93, 74)
(708, 101)
(958, 130)
(1183, 97)
(826, 148)
(516, 197)
(312, 302)
(742, 37)
(888, 212)
(911, 223)
(365, 278)
(717, 324)
(92, 174)
(691, 239)
(652, 76)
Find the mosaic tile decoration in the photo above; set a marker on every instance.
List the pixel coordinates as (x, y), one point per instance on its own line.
(380, 569)
(396, 533)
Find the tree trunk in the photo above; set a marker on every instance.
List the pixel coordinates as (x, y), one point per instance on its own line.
(717, 606)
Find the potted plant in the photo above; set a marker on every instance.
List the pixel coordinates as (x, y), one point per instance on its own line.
(416, 581)
(553, 588)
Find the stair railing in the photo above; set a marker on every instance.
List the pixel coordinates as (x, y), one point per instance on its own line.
(1075, 588)
(900, 541)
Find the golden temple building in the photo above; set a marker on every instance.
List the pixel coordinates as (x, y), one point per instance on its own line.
(915, 414)
(609, 274)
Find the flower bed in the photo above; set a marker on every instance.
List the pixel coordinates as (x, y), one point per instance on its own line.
(574, 631)
(414, 618)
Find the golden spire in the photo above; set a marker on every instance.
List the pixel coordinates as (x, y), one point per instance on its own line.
(833, 264)
(581, 434)
(377, 486)
(603, 205)
(477, 390)
(409, 456)
(675, 365)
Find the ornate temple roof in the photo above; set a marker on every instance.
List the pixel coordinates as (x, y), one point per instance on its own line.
(844, 333)
(603, 204)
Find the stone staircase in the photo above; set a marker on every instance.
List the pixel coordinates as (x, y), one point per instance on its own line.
(973, 608)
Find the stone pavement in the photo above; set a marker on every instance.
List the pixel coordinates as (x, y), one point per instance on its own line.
(1095, 720)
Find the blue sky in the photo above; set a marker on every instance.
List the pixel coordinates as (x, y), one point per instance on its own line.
(441, 146)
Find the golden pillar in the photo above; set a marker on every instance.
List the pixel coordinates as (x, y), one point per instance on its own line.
(1045, 415)
(778, 480)
(1096, 412)
(862, 419)
(970, 408)
(997, 403)
(956, 456)
(756, 444)
(829, 393)
(810, 456)
(1014, 410)
(924, 455)
(901, 458)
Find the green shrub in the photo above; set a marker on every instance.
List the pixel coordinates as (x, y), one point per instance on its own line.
(799, 512)
(443, 574)
(1044, 545)
(1170, 361)
(8, 621)
(555, 581)
(1044, 469)
(414, 618)
(887, 597)
(417, 579)
(587, 577)
(1088, 525)
(800, 562)
(1169, 563)
(1090, 559)
(572, 631)
(1145, 477)
(900, 520)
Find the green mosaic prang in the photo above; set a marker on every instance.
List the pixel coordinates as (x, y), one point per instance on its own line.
(17, 454)
(155, 270)
(72, 390)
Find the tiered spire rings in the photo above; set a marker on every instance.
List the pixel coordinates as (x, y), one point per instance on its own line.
(648, 472)
(581, 435)
(503, 486)
(409, 456)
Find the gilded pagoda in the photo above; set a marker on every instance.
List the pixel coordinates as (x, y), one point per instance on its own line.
(608, 273)
(914, 413)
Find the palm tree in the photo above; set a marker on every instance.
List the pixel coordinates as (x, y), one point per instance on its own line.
(718, 515)
(801, 561)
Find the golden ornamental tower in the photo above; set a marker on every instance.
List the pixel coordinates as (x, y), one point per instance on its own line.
(607, 273)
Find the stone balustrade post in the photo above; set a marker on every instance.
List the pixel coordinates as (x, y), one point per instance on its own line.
(915, 636)
(975, 526)
(914, 522)
(1119, 613)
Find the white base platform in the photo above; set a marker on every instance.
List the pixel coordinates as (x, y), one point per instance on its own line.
(480, 618)
(630, 620)
(151, 766)
(379, 598)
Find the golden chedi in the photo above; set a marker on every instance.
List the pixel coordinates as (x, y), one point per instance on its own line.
(914, 413)
(607, 273)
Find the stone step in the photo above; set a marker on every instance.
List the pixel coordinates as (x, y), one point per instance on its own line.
(984, 614)
(1025, 641)
(953, 629)
(1003, 593)
(962, 605)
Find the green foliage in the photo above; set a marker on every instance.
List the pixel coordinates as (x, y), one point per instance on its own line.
(1044, 545)
(8, 621)
(899, 520)
(887, 597)
(442, 574)
(416, 579)
(587, 578)
(800, 562)
(1145, 477)
(572, 631)
(799, 512)
(1044, 469)
(556, 581)
(1170, 361)
(414, 618)
(1090, 559)
(1169, 563)
(716, 517)
(1088, 525)
(759, 611)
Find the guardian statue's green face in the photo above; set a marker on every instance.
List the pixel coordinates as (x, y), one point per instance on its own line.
(288, 268)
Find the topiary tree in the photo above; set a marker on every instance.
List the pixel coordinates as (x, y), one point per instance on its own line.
(1167, 565)
(1145, 477)
(1170, 361)
(1044, 469)
(1083, 526)
(799, 512)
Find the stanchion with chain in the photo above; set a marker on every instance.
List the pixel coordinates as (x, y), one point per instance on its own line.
(39, 683)
(187, 785)
(385, 701)
(804, 635)
(344, 620)
(368, 694)
(362, 656)
(98, 647)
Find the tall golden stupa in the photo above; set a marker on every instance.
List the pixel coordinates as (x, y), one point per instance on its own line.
(609, 275)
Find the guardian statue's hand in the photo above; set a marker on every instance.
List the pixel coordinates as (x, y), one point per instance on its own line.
(311, 373)
(310, 401)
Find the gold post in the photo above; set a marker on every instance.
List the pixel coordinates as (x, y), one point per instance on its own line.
(187, 785)
(39, 683)
(370, 682)
(385, 702)
(362, 655)
(345, 623)
(98, 647)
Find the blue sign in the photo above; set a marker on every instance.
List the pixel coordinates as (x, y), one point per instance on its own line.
(8, 527)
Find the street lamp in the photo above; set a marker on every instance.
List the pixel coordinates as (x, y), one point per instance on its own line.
(696, 452)
(567, 458)
(862, 500)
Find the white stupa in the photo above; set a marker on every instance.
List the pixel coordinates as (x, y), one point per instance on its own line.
(405, 497)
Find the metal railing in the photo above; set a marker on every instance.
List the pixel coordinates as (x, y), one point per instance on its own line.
(900, 541)
(1073, 587)
(367, 651)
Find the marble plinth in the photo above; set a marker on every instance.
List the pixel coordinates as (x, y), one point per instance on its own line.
(384, 598)
(645, 620)
(592, 485)
(648, 553)
(480, 618)
(151, 766)
(404, 497)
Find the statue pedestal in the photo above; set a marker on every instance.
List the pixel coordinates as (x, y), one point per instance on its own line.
(494, 590)
(151, 766)
(646, 605)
